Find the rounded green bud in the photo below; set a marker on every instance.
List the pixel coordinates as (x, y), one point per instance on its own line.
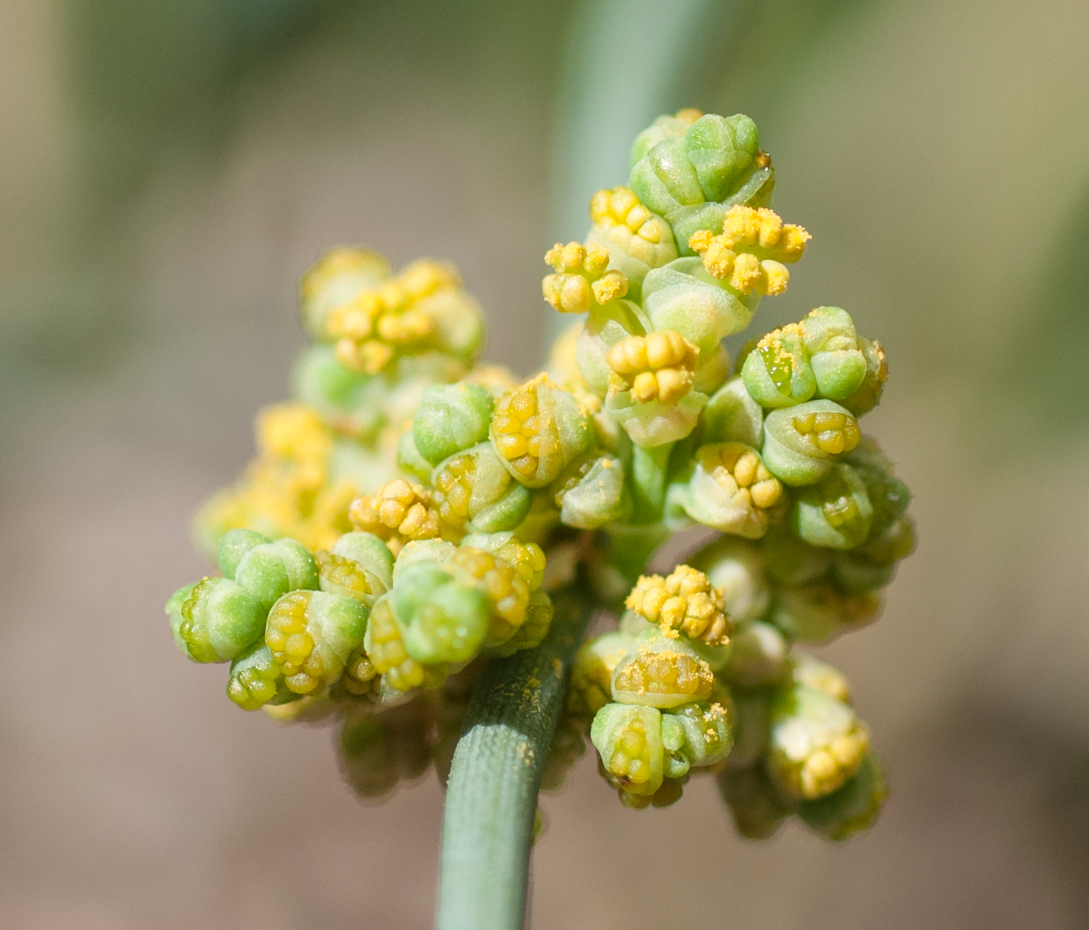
(731, 415)
(353, 402)
(451, 418)
(758, 808)
(721, 149)
(665, 179)
(818, 613)
(440, 618)
(877, 372)
(850, 809)
(890, 496)
(661, 672)
(778, 372)
(628, 737)
(533, 630)
(683, 297)
(372, 555)
(835, 513)
(313, 635)
(538, 430)
(736, 567)
(873, 564)
(268, 570)
(815, 742)
(592, 492)
(654, 423)
(802, 442)
(837, 362)
(257, 679)
(422, 550)
(474, 491)
(173, 611)
(217, 620)
(675, 764)
(409, 459)
(758, 657)
(592, 672)
(707, 730)
(664, 127)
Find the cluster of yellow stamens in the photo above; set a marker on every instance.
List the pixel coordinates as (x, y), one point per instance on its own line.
(345, 576)
(662, 673)
(740, 472)
(360, 675)
(387, 653)
(684, 600)
(657, 366)
(251, 688)
(501, 583)
(454, 489)
(376, 325)
(629, 762)
(830, 432)
(750, 251)
(581, 278)
(397, 513)
(813, 771)
(287, 634)
(522, 435)
(620, 207)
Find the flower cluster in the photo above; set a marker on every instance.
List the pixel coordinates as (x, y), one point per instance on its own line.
(410, 515)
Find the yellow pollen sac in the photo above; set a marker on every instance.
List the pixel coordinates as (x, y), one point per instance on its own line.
(751, 250)
(581, 279)
(527, 431)
(684, 601)
(453, 490)
(661, 678)
(741, 471)
(287, 636)
(360, 675)
(398, 513)
(620, 207)
(344, 575)
(386, 650)
(500, 582)
(832, 433)
(658, 366)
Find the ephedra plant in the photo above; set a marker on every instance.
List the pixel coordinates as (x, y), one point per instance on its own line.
(418, 548)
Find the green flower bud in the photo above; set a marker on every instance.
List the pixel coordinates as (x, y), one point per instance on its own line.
(336, 280)
(819, 613)
(834, 514)
(877, 372)
(386, 649)
(664, 127)
(750, 728)
(592, 671)
(736, 567)
(538, 430)
(722, 150)
(422, 550)
(802, 442)
(532, 631)
(813, 673)
(451, 418)
(635, 625)
(758, 657)
(816, 742)
(378, 751)
(707, 735)
(474, 492)
(266, 569)
(661, 672)
(683, 297)
(312, 635)
(654, 422)
(674, 764)
(440, 618)
(778, 372)
(257, 679)
(665, 179)
(890, 496)
(873, 564)
(360, 565)
(757, 807)
(731, 415)
(728, 489)
(850, 809)
(628, 737)
(592, 492)
(837, 362)
(353, 402)
(215, 620)
(605, 327)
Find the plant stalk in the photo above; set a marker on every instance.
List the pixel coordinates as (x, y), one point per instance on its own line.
(491, 797)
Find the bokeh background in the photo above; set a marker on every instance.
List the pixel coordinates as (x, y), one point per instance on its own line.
(167, 172)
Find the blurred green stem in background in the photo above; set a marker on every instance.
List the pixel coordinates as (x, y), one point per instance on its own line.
(491, 797)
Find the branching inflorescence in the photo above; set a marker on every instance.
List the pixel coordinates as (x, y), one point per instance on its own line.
(412, 512)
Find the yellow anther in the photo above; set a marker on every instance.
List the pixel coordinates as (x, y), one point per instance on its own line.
(684, 601)
(581, 278)
(292, 646)
(620, 207)
(662, 673)
(832, 433)
(526, 435)
(501, 583)
(751, 249)
(387, 653)
(658, 366)
(742, 474)
(345, 575)
(398, 512)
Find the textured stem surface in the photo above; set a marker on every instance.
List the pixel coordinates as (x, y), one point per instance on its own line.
(491, 798)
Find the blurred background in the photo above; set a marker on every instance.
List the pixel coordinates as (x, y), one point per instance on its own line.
(168, 170)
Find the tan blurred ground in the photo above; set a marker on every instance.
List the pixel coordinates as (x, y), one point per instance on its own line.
(939, 153)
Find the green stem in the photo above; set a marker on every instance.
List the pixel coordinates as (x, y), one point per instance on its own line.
(491, 798)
